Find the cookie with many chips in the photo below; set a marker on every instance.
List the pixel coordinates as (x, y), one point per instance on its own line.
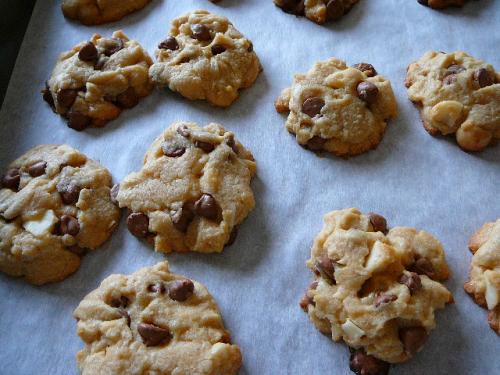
(319, 11)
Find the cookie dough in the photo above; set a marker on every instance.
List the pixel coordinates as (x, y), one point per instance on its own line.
(374, 288)
(440, 4)
(336, 108)
(457, 94)
(96, 80)
(153, 322)
(95, 12)
(318, 11)
(55, 205)
(484, 279)
(193, 190)
(205, 57)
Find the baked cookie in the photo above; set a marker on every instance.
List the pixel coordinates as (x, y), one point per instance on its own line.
(205, 57)
(484, 279)
(55, 204)
(457, 94)
(440, 4)
(375, 288)
(95, 12)
(318, 11)
(193, 190)
(96, 80)
(336, 108)
(154, 322)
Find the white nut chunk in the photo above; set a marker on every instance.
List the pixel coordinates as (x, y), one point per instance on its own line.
(473, 138)
(448, 113)
(492, 280)
(41, 224)
(352, 331)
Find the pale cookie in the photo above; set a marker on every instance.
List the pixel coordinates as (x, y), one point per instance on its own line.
(193, 190)
(91, 84)
(205, 57)
(440, 4)
(336, 108)
(95, 12)
(55, 204)
(318, 11)
(153, 322)
(376, 289)
(484, 279)
(457, 94)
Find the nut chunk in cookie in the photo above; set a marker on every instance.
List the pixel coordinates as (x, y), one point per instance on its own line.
(340, 109)
(156, 320)
(375, 288)
(205, 57)
(55, 204)
(95, 12)
(193, 190)
(319, 11)
(91, 84)
(457, 94)
(441, 4)
(484, 279)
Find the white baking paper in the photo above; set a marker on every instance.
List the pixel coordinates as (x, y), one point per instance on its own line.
(412, 179)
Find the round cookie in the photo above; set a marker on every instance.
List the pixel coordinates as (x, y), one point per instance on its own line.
(55, 204)
(340, 109)
(484, 279)
(95, 12)
(91, 84)
(440, 4)
(153, 321)
(205, 57)
(193, 190)
(457, 94)
(318, 11)
(375, 288)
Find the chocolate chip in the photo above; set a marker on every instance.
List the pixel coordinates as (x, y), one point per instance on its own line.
(383, 298)
(217, 48)
(305, 301)
(88, 52)
(423, 2)
(454, 69)
(232, 236)
(170, 43)
(78, 121)
(363, 364)
(69, 193)
(205, 146)
(120, 302)
(157, 288)
(324, 266)
(153, 335)
(208, 207)
(449, 79)
(312, 106)
(366, 68)
(66, 97)
(200, 32)
(113, 193)
(483, 78)
(75, 249)
(69, 225)
(11, 179)
(47, 96)
(316, 143)
(184, 131)
(291, 6)
(180, 290)
(138, 224)
(172, 150)
(413, 339)
(37, 169)
(423, 266)
(183, 217)
(378, 222)
(232, 143)
(113, 47)
(127, 99)
(367, 92)
(124, 313)
(250, 47)
(412, 281)
(335, 9)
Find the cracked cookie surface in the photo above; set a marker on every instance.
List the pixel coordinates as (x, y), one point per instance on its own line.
(457, 94)
(153, 321)
(374, 288)
(55, 204)
(192, 191)
(91, 84)
(95, 12)
(340, 109)
(205, 57)
(319, 11)
(484, 278)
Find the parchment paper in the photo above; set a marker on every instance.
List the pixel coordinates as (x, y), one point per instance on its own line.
(412, 179)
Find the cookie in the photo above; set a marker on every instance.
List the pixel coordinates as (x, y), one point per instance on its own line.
(484, 279)
(457, 94)
(55, 205)
(374, 288)
(205, 57)
(440, 4)
(95, 12)
(319, 11)
(340, 109)
(154, 322)
(192, 191)
(91, 84)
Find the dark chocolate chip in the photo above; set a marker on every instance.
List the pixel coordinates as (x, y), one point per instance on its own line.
(183, 217)
(423, 2)
(69, 193)
(138, 224)
(157, 288)
(11, 179)
(180, 290)
(363, 364)
(423, 266)
(291, 6)
(170, 43)
(483, 78)
(69, 225)
(47, 96)
(120, 302)
(172, 150)
(37, 169)
(205, 146)
(78, 121)
(208, 207)
(232, 236)
(316, 143)
(217, 48)
(335, 9)
(75, 249)
(383, 298)
(324, 266)
(454, 69)
(378, 222)
(367, 92)
(127, 99)
(113, 47)
(413, 339)
(232, 143)
(153, 335)
(184, 131)
(88, 53)
(312, 106)
(113, 193)
(366, 68)
(200, 32)
(66, 97)
(412, 281)
(250, 47)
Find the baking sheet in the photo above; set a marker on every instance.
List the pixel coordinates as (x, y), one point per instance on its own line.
(412, 179)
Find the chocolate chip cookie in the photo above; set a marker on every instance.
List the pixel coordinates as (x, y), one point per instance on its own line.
(318, 11)
(55, 205)
(375, 288)
(153, 321)
(484, 279)
(205, 57)
(91, 84)
(193, 190)
(457, 94)
(94, 12)
(440, 4)
(340, 109)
